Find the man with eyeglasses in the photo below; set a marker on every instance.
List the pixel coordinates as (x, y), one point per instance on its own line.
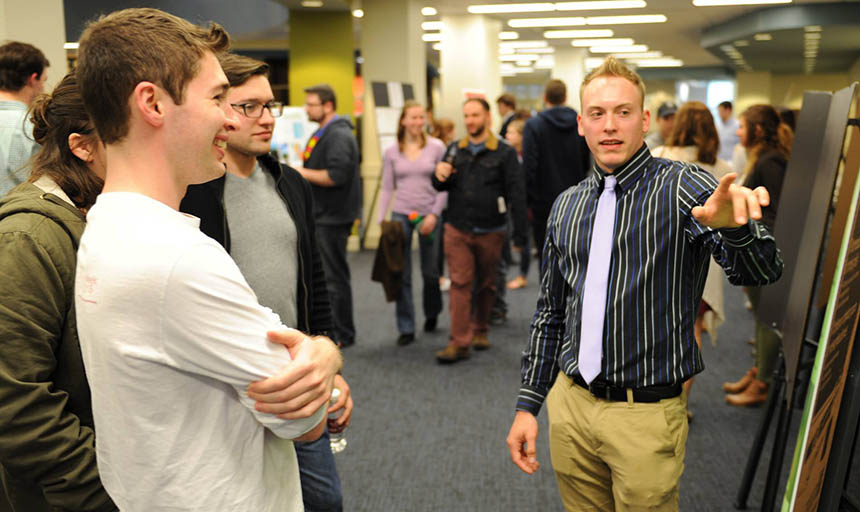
(259, 195)
(331, 166)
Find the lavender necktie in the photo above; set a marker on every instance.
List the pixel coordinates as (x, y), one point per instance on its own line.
(596, 281)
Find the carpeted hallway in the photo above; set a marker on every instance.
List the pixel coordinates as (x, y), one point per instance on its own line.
(426, 437)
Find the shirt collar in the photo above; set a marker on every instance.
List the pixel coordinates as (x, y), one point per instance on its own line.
(491, 143)
(627, 173)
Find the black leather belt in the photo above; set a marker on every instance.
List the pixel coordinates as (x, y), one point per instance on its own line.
(650, 394)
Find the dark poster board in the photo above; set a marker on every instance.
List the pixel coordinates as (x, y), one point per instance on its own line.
(806, 201)
(830, 372)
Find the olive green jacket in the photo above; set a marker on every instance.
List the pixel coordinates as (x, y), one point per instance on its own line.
(47, 449)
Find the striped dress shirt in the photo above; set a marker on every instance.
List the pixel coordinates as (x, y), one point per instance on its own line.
(659, 263)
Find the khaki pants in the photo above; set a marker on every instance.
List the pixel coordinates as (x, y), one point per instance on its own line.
(615, 456)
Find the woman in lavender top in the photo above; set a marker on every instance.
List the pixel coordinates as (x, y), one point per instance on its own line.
(406, 171)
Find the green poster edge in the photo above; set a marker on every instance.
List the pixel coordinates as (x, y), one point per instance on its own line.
(791, 486)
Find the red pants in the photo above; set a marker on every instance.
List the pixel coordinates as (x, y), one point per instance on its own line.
(472, 258)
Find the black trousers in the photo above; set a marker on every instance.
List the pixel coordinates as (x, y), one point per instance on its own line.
(332, 243)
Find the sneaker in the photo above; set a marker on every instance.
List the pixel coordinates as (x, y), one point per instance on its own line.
(498, 318)
(480, 343)
(444, 284)
(452, 354)
(405, 339)
(517, 283)
(430, 324)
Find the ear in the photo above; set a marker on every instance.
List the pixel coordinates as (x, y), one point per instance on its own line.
(81, 147)
(579, 125)
(148, 102)
(33, 79)
(646, 120)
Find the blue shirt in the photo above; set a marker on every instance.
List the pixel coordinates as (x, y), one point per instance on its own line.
(16, 145)
(659, 264)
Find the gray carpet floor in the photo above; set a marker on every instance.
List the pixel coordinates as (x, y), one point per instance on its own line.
(426, 437)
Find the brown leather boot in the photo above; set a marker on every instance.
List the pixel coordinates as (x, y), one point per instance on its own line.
(754, 394)
(452, 354)
(740, 385)
(480, 342)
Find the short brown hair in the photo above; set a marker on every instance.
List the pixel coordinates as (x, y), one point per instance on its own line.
(694, 126)
(507, 99)
(613, 67)
(18, 62)
(55, 116)
(239, 68)
(555, 92)
(480, 101)
(124, 48)
(325, 94)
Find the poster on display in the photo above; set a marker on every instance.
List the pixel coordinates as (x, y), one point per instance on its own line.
(290, 134)
(389, 98)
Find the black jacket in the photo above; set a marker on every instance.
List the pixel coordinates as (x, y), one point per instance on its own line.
(555, 156)
(207, 202)
(337, 152)
(477, 184)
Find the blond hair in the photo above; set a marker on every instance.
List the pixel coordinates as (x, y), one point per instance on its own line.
(614, 67)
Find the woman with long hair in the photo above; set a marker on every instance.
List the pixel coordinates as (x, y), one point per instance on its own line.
(47, 447)
(694, 139)
(767, 141)
(406, 171)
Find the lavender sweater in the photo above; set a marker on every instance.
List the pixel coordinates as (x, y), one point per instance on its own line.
(415, 192)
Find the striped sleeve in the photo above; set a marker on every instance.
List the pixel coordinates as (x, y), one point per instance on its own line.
(540, 359)
(748, 254)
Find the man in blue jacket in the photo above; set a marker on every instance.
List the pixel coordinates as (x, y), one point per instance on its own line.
(555, 156)
(331, 166)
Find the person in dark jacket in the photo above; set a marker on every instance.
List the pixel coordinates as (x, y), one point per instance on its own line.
(47, 436)
(555, 156)
(331, 165)
(259, 195)
(483, 181)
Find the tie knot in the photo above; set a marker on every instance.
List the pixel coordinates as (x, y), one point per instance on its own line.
(609, 183)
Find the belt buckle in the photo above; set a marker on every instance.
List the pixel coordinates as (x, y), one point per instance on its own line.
(599, 391)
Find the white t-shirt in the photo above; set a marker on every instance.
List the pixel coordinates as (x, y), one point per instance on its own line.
(171, 336)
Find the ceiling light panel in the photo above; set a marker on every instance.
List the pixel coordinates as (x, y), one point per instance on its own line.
(584, 43)
(578, 33)
(519, 57)
(619, 20)
(431, 25)
(510, 8)
(763, 37)
(713, 3)
(636, 48)
(523, 44)
(608, 4)
(432, 37)
(428, 11)
(575, 21)
(509, 35)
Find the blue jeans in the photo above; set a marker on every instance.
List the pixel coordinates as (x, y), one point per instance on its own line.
(429, 272)
(318, 473)
(332, 244)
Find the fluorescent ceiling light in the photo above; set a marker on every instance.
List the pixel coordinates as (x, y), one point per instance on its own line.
(428, 11)
(617, 20)
(812, 28)
(431, 25)
(358, 13)
(506, 51)
(584, 43)
(431, 36)
(595, 5)
(437, 46)
(643, 55)
(712, 3)
(635, 48)
(70, 46)
(763, 37)
(519, 57)
(508, 8)
(548, 49)
(509, 35)
(546, 22)
(741, 42)
(574, 33)
(812, 35)
(657, 63)
(523, 44)
(312, 3)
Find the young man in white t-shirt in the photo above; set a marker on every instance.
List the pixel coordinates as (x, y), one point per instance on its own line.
(173, 338)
